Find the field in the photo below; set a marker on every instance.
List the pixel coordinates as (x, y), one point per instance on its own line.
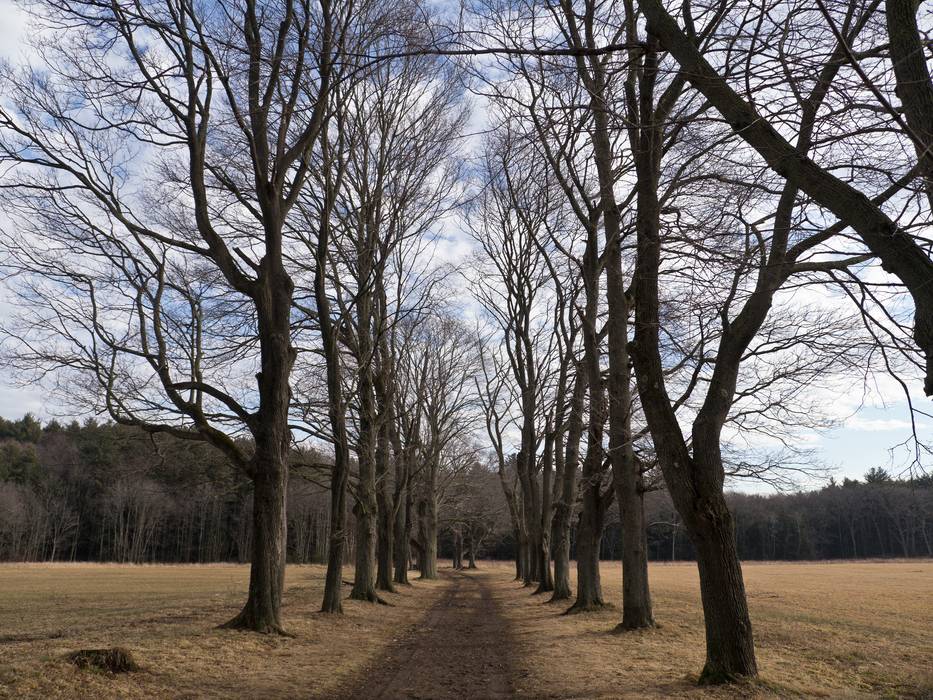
(831, 630)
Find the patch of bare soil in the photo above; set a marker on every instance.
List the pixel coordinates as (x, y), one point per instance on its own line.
(461, 649)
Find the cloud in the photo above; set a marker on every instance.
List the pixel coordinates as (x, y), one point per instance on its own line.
(12, 29)
(880, 424)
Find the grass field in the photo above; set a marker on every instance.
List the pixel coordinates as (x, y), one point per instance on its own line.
(831, 630)
(821, 630)
(166, 616)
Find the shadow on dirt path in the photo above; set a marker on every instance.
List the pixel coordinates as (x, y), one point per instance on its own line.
(461, 649)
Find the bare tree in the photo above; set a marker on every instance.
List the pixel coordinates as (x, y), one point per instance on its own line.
(156, 170)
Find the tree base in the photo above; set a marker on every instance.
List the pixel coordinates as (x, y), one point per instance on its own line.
(624, 627)
(597, 606)
(712, 675)
(370, 597)
(248, 622)
(559, 596)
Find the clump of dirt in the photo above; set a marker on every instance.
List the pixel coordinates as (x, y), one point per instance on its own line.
(113, 660)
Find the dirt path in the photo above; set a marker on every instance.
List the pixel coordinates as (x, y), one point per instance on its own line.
(460, 650)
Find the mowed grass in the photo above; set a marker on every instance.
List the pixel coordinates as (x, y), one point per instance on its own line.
(821, 630)
(167, 616)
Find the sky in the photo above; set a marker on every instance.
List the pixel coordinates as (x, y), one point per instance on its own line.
(871, 432)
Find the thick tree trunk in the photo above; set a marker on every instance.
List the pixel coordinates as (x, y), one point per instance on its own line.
(589, 587)
(428, 539)
(636, 595)
(695, 481)
(385, 549)
(364, 578)
(471, 560)
(730, 649)
(262, 612)
(562, 516)
(269, 466)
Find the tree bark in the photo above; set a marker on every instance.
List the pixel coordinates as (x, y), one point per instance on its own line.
(262, 612)
(427, 513)
(914, 85)
(269, 466)
(402, 537)
(730, 648)
(563, 513)
(385, 549)
(589, 533)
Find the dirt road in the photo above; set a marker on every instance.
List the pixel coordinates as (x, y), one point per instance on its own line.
(460, 650)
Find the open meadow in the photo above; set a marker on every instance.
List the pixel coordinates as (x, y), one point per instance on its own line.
(823, 630)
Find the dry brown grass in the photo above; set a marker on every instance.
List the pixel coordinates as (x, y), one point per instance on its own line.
(822, 630)
(166, 616)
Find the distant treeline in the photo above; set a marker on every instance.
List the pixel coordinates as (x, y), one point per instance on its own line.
(100, 492)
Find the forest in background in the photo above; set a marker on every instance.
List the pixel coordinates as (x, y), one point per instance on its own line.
(99, 492)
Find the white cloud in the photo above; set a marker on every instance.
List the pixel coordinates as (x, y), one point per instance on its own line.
(12, 30)
(880, 424)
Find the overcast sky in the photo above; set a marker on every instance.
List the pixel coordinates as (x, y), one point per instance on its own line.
(872, 426)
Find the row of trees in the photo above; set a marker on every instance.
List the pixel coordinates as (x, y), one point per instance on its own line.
(95, 492)
(670, 215)
(230, 229)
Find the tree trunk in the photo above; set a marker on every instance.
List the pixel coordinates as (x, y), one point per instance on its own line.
(589, 587)
(428, 539)
(385, 514)
(636, 595)
(730, 649)
(333, 580)
(403, 538)
(262, 612)
(545, 579)
(269, 465)
(458, 550)
(365, 575)
(563, 514)
(562, 590)
(519, 554)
